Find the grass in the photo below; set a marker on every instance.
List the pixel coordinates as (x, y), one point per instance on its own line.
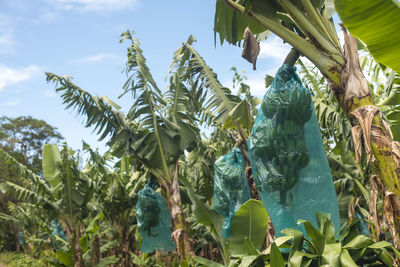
(15, 259)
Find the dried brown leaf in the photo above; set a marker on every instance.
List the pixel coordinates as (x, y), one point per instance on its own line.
(251, 47)
(392, 215)
(356, 134)
(364, 116)
(373, 213)
(396, 153)
(351, 211)
(388, 130)
(352, 77)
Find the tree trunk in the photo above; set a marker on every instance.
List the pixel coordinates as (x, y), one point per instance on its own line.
(180, 232)
(369, 130)
(78, 259)
(351, 90)
(74, 235)
(17, 245)
(124, 249)
(96, 256)
(242, 145)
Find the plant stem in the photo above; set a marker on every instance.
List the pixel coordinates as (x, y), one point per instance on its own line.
(311, 31)
(317, 19)
(160, 145)
(328, 67)
(292, 57)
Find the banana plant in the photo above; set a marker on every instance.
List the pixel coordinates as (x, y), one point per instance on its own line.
(154, 133)
(308, 27)
(321, 247)
(220, 107)
(116, 198)
(352, 181)
(63, 193)
(72, 190)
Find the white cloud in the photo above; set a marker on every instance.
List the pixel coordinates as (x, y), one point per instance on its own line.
(274, 47)
(257, 86)
(49, 93)
(98, 58)
(15, 75)
(12, 103)
(94, 5)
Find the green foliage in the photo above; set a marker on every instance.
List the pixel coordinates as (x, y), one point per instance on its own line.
(162, 130)
(374, 22)
(249, 228)
(13, 259)
(294, 22)
(21, 141)
(218, 103)
(323, 247)
(24, 138)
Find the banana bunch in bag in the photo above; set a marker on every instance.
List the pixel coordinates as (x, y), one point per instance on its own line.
(230, 187)
(284, 147)
(153, 219)
(147, 208)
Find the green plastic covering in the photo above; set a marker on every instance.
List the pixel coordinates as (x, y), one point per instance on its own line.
(289, 163)
(57, 230)
(154, 220)
(57, 235)
(21, 238)
(230, 187)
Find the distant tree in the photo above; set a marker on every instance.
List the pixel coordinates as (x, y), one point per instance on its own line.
(24, 137)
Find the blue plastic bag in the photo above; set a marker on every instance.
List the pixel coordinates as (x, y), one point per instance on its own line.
(154, 220)
(290, 167)
(230, 187)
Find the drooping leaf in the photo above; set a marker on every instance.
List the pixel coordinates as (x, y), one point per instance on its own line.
(206, 262)
(237, 21)
(50, 160)
(317, 238)
(376, 23)
(98, 112)
(346, 260)
(360, 241)
(276, 256)
(241, 114)
(218, 100)
(331, 254)
(251, 222)
(65, 258)
(107, 261)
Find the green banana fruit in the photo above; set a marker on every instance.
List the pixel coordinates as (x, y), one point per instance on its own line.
(286, 148)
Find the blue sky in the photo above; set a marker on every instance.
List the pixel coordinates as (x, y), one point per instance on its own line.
(80, 38)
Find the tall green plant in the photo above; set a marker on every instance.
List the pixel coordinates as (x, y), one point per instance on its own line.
(155, 132)
(308, 27)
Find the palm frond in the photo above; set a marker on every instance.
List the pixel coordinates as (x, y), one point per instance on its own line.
(148, 102)
(101, 113)
(219, 100)
(147, 95)
(27, 176)
(8, 218)
(27, 194)
(181, 111)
